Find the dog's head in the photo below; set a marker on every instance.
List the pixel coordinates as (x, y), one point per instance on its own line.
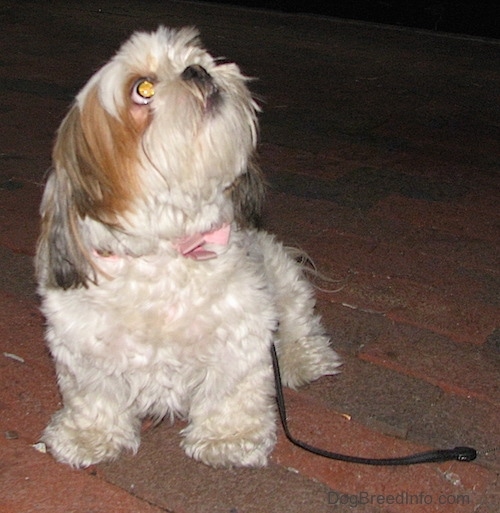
(160, 141)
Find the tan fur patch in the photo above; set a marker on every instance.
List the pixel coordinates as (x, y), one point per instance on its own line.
(99, 154)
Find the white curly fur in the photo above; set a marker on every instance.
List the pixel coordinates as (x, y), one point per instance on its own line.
(136, 328)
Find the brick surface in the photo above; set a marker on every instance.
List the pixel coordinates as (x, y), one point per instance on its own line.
(332, 219)
(19, 225)
(161, 473)
(321, 427)
(17, 276)
(419, 304)
(380, 147)
(407, 408)
(449, 294)
(31, 481)
(394, 400)
(455, 368)
(29, 391)
(461, 220)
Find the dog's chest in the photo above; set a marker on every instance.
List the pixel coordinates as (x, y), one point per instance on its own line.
(160, 301)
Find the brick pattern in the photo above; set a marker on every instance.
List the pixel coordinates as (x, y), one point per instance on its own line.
(381, 150)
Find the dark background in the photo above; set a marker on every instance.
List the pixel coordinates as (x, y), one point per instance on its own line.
(478, 18)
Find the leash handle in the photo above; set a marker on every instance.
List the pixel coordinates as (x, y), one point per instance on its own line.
(436, 456)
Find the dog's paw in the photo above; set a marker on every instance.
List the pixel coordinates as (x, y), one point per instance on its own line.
(78, 447)
(231, 452)
(227, 444)
(306, 360)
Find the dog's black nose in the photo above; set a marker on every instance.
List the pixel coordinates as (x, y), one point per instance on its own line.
(196, 72)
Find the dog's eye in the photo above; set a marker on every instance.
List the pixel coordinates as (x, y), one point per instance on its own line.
(143, 91)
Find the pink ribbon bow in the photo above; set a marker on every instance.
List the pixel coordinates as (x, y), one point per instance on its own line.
(193, 245)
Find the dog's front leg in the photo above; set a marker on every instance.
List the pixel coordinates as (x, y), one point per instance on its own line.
(236, 428)
(96, 422)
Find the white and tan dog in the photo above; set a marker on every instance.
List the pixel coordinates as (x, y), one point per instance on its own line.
(162, 299)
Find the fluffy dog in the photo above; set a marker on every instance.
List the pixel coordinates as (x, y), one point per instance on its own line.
(162, 298)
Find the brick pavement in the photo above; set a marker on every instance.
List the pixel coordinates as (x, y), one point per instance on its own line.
(381, 147)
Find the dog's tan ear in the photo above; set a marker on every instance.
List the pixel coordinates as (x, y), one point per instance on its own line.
(61, 259)
(93, 176)
(98, 152)
(70, 194)
(248, 194)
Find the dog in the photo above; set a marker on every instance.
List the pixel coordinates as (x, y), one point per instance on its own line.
(162, 295)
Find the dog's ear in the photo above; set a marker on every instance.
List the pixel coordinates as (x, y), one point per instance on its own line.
(247, 195)
(93, 176)
(98, 153)
(61, 259)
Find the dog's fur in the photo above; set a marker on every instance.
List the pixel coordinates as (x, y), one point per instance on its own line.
(138, 324)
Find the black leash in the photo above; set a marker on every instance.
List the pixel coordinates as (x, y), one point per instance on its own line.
(437, 456)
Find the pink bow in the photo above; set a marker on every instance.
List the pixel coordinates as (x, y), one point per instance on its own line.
(193, 245)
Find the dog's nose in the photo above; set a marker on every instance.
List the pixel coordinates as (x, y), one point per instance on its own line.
(196, 72)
